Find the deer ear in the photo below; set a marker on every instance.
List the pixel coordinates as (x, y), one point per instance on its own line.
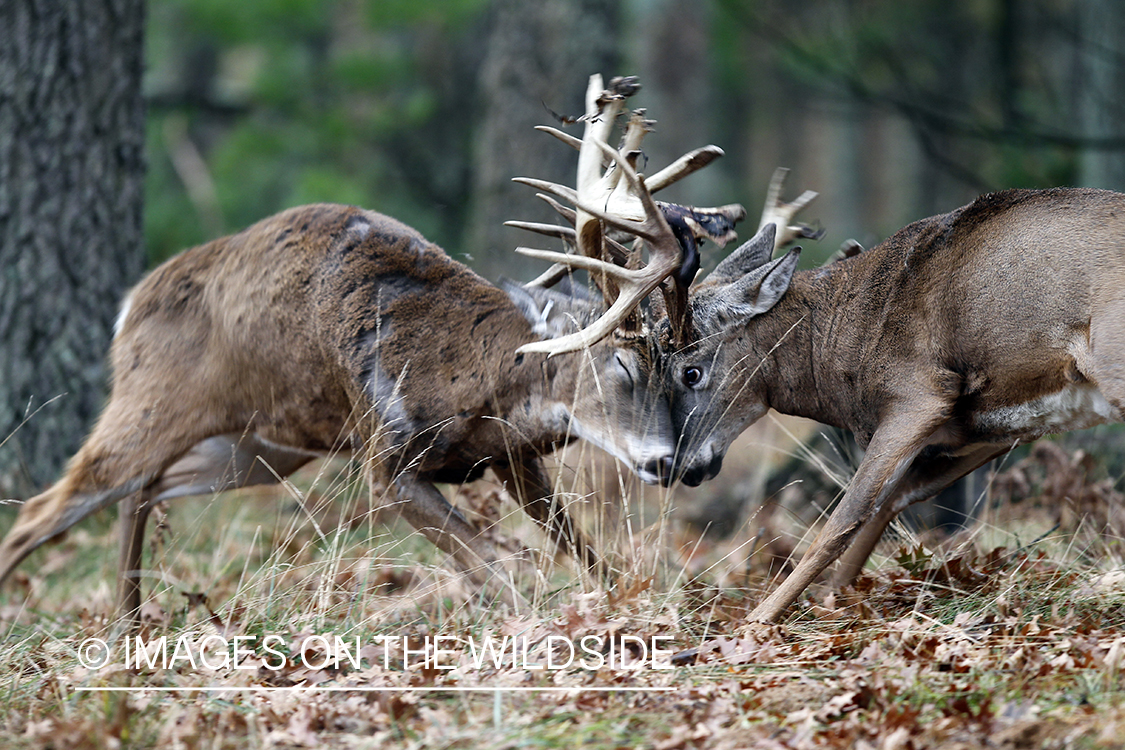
(550, 313)
(758, 291)
(749, 256)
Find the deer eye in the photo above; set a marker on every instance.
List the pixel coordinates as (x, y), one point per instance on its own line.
(692, 376)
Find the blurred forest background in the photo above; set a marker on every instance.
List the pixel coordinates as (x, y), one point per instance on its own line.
(893, 111)
(424, 110)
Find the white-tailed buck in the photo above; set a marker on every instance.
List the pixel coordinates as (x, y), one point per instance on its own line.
(331, 328)
(957, 338)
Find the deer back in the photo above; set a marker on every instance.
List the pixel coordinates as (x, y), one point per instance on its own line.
(326, 319)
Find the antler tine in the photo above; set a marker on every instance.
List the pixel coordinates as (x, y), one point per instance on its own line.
(773, 192)
(562, 191)
(602, 108)
(551, 230)
(567, 213)
(635, 131)
(780, 214)
(618, 252)
(693, 161)
(583, 262)
(567, 138)
(553, 275)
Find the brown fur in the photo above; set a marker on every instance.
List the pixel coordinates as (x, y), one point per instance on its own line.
(927, 347)
(332, 328)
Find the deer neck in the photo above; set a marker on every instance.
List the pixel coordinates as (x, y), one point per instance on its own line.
(806, 371)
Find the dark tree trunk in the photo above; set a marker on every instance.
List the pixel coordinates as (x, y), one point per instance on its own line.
(539, 53)
(71, 191)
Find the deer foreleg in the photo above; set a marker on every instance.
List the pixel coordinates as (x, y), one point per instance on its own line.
(894, 446)
(424, 508)
(528, 483)
(926, 478)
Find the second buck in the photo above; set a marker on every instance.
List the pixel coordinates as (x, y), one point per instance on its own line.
(331, 328)
(945, 346)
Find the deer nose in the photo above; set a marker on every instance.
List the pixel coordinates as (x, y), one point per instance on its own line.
(715, 466)
(663, 468)
(695, 474)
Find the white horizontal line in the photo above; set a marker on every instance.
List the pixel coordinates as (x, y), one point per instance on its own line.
(358, 689)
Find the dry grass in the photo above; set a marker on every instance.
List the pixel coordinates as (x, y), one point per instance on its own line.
(1009, 635)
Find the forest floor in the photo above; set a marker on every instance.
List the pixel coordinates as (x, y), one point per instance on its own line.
(298, 618)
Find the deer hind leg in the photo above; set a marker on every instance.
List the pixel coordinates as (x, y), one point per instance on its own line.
(132, 443)
(52, 512)
(104, 473)
(528, 483)
(925, 478)
(213, 465)
(133, 513)
(423, 507)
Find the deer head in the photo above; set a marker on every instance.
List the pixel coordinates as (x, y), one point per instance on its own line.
(716, 380)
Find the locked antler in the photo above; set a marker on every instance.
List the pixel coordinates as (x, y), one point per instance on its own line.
(620, 199)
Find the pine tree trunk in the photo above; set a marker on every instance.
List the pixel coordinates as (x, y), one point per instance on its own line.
(71, 191)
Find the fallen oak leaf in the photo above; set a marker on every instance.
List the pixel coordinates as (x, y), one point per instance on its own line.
(838, 706)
